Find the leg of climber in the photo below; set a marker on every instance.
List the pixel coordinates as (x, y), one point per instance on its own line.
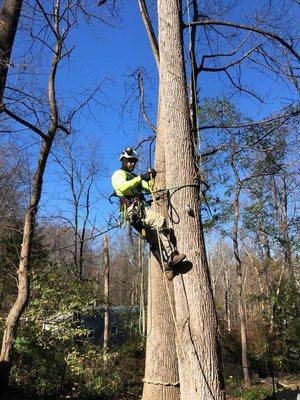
(170, 255)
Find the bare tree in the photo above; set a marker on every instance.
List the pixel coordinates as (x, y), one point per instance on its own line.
(58, 20)
(80, 174)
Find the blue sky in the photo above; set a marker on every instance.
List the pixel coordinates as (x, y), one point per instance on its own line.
(111, 53)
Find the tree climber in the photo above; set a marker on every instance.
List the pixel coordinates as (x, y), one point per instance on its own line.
(130, 188)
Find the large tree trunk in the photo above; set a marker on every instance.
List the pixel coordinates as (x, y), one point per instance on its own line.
(239, 275)
(161, 370)
(9, 18)
(16, 311)
(197, 330)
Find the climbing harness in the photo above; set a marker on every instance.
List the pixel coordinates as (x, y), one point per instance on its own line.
(131, 211)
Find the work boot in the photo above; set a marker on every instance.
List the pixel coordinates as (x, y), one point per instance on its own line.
(168, 271)
(176, 258)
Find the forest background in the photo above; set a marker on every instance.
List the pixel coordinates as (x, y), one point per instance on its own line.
(106, 86)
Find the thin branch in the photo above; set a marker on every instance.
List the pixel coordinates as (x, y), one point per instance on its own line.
(149, 139)
(23, 122)
(265, 121)
(54, 31)
(226, 54)
(84, 103)
(225, 67)
(242, 89)
(149, 30)
(142, 100)
(263, 32)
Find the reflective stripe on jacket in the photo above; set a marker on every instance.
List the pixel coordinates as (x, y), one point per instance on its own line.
(127, 184)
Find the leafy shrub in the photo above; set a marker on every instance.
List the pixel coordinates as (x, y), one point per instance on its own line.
(253, 393)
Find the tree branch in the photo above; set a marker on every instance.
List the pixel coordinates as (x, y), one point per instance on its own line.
(23, 122)
(142, 100)
(225, 67)
(265, 121)
(263, 32)
(149, 30)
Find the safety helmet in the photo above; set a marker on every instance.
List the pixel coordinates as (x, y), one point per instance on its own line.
(129, 153)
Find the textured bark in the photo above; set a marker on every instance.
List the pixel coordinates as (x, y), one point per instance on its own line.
(197, 340)
(161, 369)
(9, 18)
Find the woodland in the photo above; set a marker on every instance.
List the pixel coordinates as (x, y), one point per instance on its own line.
(86, 312)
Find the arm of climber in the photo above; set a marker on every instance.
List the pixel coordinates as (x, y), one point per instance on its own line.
(122, 186)
(147, 186)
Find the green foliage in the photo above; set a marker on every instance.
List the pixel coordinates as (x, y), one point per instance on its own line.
(254, 393)
(279, 350)
(47, 366)
(62, 362)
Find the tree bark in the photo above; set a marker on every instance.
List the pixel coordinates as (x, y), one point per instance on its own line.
(161, 380)
(106, 295)
(198, 347)
(9, 19)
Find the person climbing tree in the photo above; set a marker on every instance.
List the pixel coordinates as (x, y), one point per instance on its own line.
(130, 188)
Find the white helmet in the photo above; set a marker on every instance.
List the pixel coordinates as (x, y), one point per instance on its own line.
(129, 153)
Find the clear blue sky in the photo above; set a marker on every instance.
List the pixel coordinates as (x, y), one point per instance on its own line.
(111, 54)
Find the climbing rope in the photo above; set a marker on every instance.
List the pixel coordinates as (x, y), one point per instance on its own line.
(142, 317)
(173, 313)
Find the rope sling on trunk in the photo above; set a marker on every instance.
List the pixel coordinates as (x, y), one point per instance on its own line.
(174, 316)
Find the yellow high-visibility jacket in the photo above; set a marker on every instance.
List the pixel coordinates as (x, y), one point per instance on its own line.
(127, 184)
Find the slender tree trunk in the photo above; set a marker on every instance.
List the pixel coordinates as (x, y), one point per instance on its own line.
(161, 380)
(198, 347)
(106, 295)
(9, 18)
(16, 311)
(239, 274)
(285, 234)
(227, 302)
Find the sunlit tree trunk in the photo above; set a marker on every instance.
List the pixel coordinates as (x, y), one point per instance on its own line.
(161, 370)
(198, 347)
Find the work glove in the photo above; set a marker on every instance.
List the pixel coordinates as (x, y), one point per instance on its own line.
(147, 176)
